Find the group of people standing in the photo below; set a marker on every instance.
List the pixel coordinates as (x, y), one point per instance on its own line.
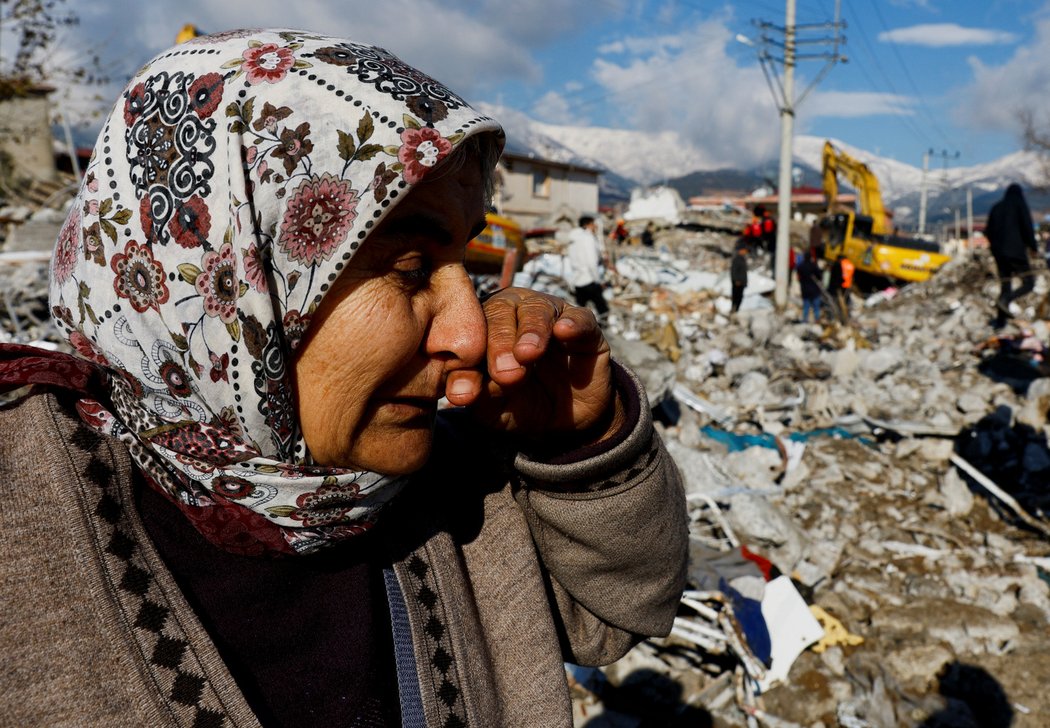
(807, 267)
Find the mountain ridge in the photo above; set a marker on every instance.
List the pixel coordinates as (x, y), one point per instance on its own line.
(638, 159)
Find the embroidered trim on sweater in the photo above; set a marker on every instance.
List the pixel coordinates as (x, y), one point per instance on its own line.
(444, 678)
(165, 648)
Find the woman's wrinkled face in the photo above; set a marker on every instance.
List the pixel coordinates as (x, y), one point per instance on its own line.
(402, 315)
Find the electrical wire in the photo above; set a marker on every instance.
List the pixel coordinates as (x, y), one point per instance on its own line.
(907, 74)
(583, 102)
(913, 126)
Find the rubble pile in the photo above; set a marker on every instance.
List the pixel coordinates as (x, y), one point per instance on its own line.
(833, 452)
(859, 558)
(24, 318)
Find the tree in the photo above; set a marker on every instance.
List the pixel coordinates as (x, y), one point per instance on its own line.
(1037, 140)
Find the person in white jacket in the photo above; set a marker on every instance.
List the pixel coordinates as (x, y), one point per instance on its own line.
(585, 265)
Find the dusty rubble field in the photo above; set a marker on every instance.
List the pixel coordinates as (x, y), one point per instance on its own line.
(882, 532)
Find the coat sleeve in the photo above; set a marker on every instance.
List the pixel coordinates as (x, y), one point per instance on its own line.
(611, 532)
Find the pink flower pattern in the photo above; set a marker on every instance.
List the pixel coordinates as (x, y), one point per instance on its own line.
(421, 150)
(66, 248)
(140, 278)
(218, 283)
(319, 215)
(267, 63)
(254, 269)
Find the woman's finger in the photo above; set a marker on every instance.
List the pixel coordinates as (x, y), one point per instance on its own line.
(463, 386)
(511, 315)
(578, 332)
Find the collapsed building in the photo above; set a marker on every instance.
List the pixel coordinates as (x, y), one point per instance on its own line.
(894, 473)
(867, 502)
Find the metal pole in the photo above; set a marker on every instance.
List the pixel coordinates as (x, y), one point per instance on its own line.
(969, 216)
(787, 124)
(69, 145)
(922, 192)
(958, 230)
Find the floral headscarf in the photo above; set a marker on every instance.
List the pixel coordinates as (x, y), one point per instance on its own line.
(228, 189)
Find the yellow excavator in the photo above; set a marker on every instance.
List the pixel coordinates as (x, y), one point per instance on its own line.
(864, 237)
(188, 32)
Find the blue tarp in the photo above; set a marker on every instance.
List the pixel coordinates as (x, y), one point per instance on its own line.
(734, 441)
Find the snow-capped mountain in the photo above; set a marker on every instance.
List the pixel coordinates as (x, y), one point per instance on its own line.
(635, 158)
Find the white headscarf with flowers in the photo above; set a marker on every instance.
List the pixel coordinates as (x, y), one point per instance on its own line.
(228, 189)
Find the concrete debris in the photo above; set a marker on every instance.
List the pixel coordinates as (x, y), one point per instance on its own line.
(661, 204)
(24, 317)
(829, 456)
(833, 453)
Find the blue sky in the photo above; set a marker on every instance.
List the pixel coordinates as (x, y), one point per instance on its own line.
(947, 75)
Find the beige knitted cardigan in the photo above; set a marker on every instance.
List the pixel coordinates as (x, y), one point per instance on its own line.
(95, 632)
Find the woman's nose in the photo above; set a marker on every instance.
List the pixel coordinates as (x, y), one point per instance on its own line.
(458, 333)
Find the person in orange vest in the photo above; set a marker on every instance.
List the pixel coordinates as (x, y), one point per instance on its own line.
(763, 230)
(769, 233)
(840, 285)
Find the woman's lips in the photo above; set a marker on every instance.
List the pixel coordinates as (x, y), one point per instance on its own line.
(410, 405)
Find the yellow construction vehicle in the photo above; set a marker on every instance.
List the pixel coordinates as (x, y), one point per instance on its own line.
(501, 237)
(188, 32)
(864, 237)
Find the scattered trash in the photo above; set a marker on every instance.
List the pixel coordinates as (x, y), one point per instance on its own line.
(834, 453)
(871, 497)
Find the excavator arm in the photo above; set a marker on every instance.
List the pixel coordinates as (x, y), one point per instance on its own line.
(858, 175)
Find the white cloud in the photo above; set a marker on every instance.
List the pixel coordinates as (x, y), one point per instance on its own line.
(942, 35)
(997, 95)
(856, 104)
(689, 83)
(553, 108)
(641, 45)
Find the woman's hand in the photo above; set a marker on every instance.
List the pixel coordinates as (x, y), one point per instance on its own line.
(548, 370)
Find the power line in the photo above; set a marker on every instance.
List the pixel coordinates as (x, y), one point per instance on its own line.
(908, 121)
(907, 74)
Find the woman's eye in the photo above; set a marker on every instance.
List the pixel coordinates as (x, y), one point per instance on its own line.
(414, 271)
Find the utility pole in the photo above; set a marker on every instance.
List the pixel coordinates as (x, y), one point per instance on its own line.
(784, 95)
(945, 156)
(787, 143)
(922, 191)
(969, 216)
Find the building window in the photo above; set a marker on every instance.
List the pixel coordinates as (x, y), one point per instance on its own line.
(541, 183)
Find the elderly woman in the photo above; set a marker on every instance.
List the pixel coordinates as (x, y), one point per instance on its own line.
(242, 503)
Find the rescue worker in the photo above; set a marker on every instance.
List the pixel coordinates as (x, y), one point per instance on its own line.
(586, 259)
(763, 230)
(840, 285)
(738, 274)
